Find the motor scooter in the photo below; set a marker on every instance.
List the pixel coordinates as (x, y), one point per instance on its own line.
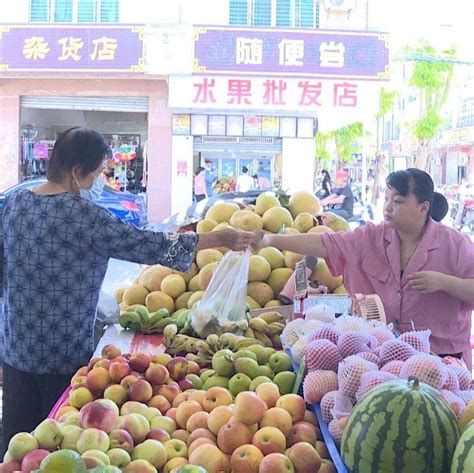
(467, 217)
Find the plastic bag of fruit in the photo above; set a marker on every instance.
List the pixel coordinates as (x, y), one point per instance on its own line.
(225, 299)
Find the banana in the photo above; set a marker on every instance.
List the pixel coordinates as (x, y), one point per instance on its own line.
(264, 339)
(145, 316)
(276, 340)
(158, 315)
(243, 325)
(245, 343)
(130, 320)
(258, 324)
(182, 318)
(249, 333)
(161, 324)
(271, 317)
(170, 330)
(274, 329)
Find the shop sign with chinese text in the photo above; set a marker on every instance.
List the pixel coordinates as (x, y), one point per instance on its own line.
(74, 48)
(300, 53)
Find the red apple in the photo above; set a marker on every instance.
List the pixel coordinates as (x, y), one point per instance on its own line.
(160, 402)
(120, 438)
(185, 384)
(140, 361)
(304, 457)
(110, 351)
(233, 435)
(301, 432)
(170, 391)
(269, 440)
(98, 415)
(276, 463)
(157, 374)
(246, 459)
(98, 379)
(10, 466)
(193, 368)
(32, 460)
(118, 370)
(128, 381)
(178, 367)
(93, 361)
(104, 363)
(158, 434)
(140, 391)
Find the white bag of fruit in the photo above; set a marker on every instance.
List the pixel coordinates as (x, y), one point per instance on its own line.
(225, 299)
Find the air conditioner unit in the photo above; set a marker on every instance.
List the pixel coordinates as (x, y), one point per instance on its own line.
(339, 6)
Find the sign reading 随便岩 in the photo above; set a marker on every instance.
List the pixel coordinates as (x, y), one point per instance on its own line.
(281, 52)
(72, 48)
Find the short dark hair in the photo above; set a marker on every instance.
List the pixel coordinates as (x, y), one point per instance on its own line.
(420, 184)
(78, 146)
(199, 169)
(245, 169)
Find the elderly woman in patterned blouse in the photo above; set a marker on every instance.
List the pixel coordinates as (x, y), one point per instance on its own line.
(54, 248)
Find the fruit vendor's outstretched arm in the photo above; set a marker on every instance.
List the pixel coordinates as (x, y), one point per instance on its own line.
(236, 240)
(310, 244)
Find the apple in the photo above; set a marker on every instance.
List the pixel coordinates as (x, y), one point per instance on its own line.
(140, 361)
(285, 381)
(176, 448)
(162, 359)
(32, 460)
(98, 415)
(118, 371)
(294, 404)
(246, 459)
(158, 434)
(304, 457)
(133, 407)
(178, 367)
(119, 457)
(185, 384)
(269, 440)
(71, 435)
(128, 380)
(196, 381)
(80, 396)
(276, 463)
(316, 429)
(79, 382)
(310, 416)
(209, 457)
(110, 351)
(233, 435)
(104, 363)
(136, 425)
(190, 469)
(249, 408)
(238, 383)
(197, 395)
(198, 442)
(93, 439)
(322, 449)
(327, 466)
(98, 379)
(180, 398)
(193, 368)
(152, 451)
(141, 391)
(65, 409)
(185, 410)
(116, 393)
(20, 444)
(197, 420)
(120, 438)
(279, 361)
(10, 466)
(157, 374)
(92, 362)
(139, 466)
(175, 464)
(201, 433)
(111, 404)
(94, 458)
(170, 391)
(301, 432)
(172, 414)
(165, 423)
(268, 393)
(160, 402)
(181, 434)
(216, 396)
(279, 418)
(151, 412)
(120, 359)
(218, 417)
(49, 434)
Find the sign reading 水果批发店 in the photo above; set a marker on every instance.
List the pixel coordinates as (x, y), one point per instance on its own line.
(291, 52)
(72, 48)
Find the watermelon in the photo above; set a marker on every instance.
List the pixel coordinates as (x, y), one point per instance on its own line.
(463, 459)
(401, 426)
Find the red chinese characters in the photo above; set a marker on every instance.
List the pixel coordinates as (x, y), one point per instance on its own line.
(239, 91)
(310, 93)
(274, 91)
(345, 95)
(204, 92)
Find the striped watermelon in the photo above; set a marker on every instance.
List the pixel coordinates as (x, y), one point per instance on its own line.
(401, 426)
(463, 460)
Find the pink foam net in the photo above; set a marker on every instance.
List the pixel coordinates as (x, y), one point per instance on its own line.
(394, 367)
(427, 368)
(396, 350)
(327, 403)
(454, 402)
(452, 381)
(464, 376)
(369, 356)
(318, 383)
(350, 323)
(325, 332)
(351, 343)
(419, 340)
(350, 372)
(370, 380)
(322, 355)
(382, 334)
(466, 396)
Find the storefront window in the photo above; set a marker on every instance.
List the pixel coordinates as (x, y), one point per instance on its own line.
(63, 11)
(217, 125)
(283, 13)
(39, 11)
(181, 124)
(288, 127)
(86, 11)
(229, 167)
(253, 126)
(235, 125)
(270, 126)
(109, 11)
(305, 128)
(81, 11)
(198, 125)
(238, 12)
(262, 13)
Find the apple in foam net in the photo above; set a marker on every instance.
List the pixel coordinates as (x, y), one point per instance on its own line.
(49, 434)
(98, 415)
(32, 460)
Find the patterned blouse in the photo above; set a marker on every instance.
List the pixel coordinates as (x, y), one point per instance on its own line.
(54, 250)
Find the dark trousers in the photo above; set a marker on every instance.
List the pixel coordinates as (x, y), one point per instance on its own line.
(27, 399)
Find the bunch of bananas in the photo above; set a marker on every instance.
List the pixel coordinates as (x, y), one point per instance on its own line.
(138, 318)
(266, 328)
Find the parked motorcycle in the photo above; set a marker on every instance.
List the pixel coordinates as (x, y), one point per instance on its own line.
(467, 217)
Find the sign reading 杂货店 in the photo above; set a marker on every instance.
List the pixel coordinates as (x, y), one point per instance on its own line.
(290, 52)
(71, 48)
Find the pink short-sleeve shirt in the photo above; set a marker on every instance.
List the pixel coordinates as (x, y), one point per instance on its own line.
(369, 258)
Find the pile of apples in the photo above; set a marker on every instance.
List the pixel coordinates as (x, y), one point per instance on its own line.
(145, 419)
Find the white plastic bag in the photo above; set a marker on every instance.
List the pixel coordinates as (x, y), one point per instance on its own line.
(225, 298)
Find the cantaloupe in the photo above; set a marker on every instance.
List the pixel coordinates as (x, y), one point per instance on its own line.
(292, 258)
(207, 256)
(303, 222)
(266, 201)
(274, 256)
(206, 225)
(246, 220)
(222, 211)
(151, 277)
(135, 294)
(259, 268)
(196, 297)
(205, 275)
(278, 278)
(275, 218)
(261, 292)
(174, 285)
(157, 300)
(303, 201)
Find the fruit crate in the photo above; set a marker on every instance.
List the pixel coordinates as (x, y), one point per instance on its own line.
(329, 441)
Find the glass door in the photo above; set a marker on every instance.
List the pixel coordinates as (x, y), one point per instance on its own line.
(264, 167)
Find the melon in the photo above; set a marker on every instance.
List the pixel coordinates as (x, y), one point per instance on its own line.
(278, 278)
(276, 218)
(401, 426)
(427, 368)
(303, 222)
(274, 256)
(197, 296)
(292, 258)
(152, 276)
(181, 301)
(157, 300)
(322, 355)
(222, 226)
(463, 458)
(206, 225)
(135, 294)
(396, 350)
(260, 292)
(246, 220)
(351, 343)
(205, 275)
(303, 201)
(266, 201)
(222, 211)
(323, 275)
(318, 383)
(174, 285)
(259, 268)
(210, 255)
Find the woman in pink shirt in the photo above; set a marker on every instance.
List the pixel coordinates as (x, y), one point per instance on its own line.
(200, 184)
(422, 270)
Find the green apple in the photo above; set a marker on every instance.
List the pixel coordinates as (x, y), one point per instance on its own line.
(49, 434)
(224, 352)
(259, 353)
(65, 461)
(269, 351)
(238, 383)
(176, 448)
(223, 365)
(259, 380)
(192, 469)
(196, 380)
(216, 380)
(152, 451)
(119, 457)
(246, 366)
(165, 423)
(105, 469)
(20, 444)
(245, 354)
(206, 374)
(70, 437)
(285, 381)
(279, 362)
(265, 370)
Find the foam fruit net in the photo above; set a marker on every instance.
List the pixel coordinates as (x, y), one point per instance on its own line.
(322, 355)
(325, 332)
(321, 312)
(369, 356)
(351, 343)
(427, 368)
(350, 372)
(396, 350)
(318, 383)
(464, 377)
(292, 331)
(419, 340)
(394, 367)
(298, 350)
(370, 380)
(455, 402)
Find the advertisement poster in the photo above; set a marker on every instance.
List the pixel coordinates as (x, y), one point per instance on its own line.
(253, 126)
(270, 126)
(182, 169)
(181, 124)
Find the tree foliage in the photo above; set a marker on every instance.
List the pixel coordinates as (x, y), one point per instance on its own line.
(386, 102)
